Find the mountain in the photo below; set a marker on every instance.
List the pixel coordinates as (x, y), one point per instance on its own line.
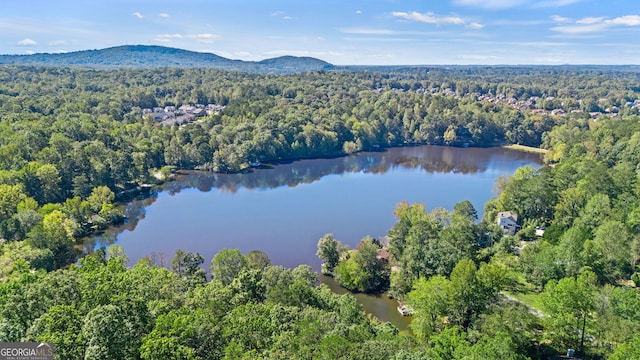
(294, 62)
(143, 56)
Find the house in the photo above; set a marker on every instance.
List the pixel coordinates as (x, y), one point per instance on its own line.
(213, 108)
(508, 222)
(186, 108)
(383, 255)
(199, 112)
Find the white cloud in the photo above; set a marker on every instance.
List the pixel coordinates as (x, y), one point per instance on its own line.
(27, 42)
(57, 43)
(358, 12)
(511, 22)
(555, 3)
(379, 39)
(368, 31)
(201, 38)
(590, 20)
(629, 20)
(164, 15)
(204, 38)
(579, 29)
(475, 25)
(490, 4)
(167, 38)
(429, 18)
(506, 4)
(543, 44)
(280, 14)
(597, 24)
(560, 19)
(138, 15)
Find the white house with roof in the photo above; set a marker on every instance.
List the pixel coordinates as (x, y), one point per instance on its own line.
(508, 222)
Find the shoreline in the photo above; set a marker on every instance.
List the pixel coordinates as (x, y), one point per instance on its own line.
(525, 148)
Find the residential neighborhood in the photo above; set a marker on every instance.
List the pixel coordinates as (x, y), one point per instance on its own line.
(187, 113)
(532, 103)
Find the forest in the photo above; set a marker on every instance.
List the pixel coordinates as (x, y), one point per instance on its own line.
(75, 141)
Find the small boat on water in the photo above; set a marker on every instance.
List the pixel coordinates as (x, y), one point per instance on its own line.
(405, 310)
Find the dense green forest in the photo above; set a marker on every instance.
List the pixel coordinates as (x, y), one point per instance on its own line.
(73, 141)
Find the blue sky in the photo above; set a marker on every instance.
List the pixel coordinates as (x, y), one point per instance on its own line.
(362, 32)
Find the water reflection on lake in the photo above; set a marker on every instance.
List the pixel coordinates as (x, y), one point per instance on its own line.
(284, 209)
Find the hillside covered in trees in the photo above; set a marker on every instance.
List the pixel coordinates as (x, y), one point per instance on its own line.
(74, 140)
(147, 56)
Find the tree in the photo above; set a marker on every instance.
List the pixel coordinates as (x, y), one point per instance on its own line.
(114, 331)
(570, 251)
(569, 304)
(12, 253)
(411, 242)
(466, 209)
(165, 348)
(457, 241)
(595, 211)
(450, 344)
(81, 186)
(609, 254)
(10, 197)
(363, 270)
(497, 347)
(187, 266)
(538, 261)
(513, 320)
(250, 327)
(248, 287)
(227, 264)
(329, 250)
(56, 234)
(183, 334)
(258, 260)
(99, 197)
(457, 301)
(430, 301)
(627, 351)
(61, 325)
(49, 183)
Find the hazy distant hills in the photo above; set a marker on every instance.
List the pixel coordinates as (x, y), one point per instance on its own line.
(143, 56)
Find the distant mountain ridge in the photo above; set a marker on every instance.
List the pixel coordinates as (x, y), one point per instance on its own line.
(152, 56)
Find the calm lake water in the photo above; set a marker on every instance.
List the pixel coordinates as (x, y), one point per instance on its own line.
(284, 209)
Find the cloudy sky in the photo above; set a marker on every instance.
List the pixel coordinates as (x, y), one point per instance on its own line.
(371, 32)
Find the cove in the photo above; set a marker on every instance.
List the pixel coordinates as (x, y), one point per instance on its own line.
(284, 209)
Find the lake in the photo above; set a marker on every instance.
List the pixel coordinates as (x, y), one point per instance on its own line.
(284, 209)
